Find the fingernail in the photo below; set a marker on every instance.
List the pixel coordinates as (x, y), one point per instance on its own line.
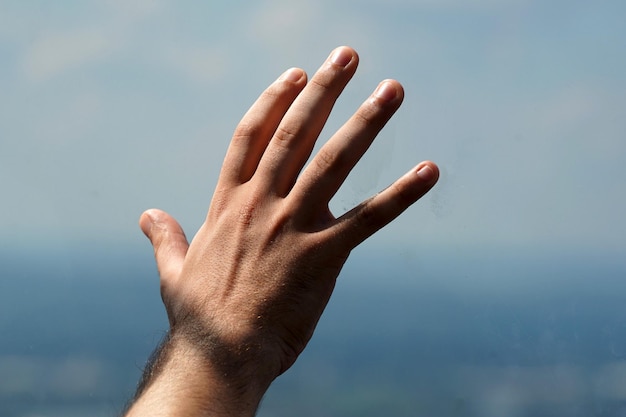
(150, 215)
(292, 75)
(386, 91)
(146, 227)
(341, 57)
(426, 174)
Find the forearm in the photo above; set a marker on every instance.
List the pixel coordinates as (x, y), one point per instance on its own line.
(183, 380)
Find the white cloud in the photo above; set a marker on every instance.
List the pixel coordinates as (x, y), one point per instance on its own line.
(57, 53)
(61, 46)
(198, 64)
(282, 22)
(464, 5)
(136, 9)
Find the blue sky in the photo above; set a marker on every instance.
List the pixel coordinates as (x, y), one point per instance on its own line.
(111, 107)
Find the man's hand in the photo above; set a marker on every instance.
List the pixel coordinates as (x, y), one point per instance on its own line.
(244, 297)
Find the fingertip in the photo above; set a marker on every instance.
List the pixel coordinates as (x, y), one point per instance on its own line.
(428, 172)
(293, 75)
(146, 220)
(389, 90)
(151, 218)
(343, 55)
(168, 241)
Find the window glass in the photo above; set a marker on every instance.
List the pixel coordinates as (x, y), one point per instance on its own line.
(500, 293)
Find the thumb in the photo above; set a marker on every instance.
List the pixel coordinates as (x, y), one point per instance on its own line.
(169, 243)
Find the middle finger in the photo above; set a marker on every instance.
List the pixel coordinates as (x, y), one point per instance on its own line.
(295, 137)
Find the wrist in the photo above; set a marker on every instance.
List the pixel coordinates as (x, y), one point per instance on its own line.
(195, 376)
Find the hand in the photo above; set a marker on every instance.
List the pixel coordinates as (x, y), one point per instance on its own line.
(246, 295)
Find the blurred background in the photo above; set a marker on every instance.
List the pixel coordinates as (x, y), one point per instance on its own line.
(500, 293)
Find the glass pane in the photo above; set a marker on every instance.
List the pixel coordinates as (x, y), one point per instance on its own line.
(500, 293)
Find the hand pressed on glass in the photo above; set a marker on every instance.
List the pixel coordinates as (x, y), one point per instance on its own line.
(243, 299)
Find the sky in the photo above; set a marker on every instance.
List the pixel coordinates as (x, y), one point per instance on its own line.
(110, 107)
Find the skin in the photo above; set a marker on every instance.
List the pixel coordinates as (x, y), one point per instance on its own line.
(243, 299)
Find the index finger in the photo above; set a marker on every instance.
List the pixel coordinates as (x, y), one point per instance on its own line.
(256, 128)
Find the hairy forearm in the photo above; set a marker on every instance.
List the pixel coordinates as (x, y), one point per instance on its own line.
(153, 366)
(182, 379)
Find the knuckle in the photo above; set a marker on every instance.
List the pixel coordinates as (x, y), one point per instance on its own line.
(321, 82)
(328, 77)
(277, 93)
(367, 217)
(220, 201)
(285, 135)
(231, 211)
(403, 195)
(246, 213)
(327, 159)
(274, 91)
(246, 130)
(367, 114)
